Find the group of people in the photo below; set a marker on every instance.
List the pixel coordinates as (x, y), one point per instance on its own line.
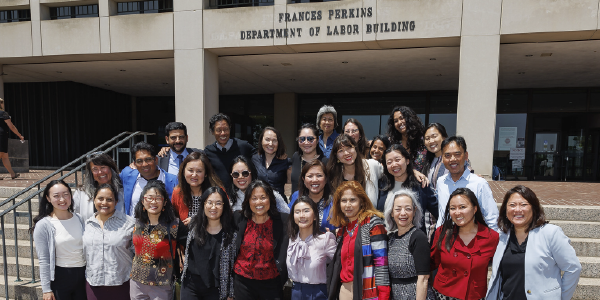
(402, 216)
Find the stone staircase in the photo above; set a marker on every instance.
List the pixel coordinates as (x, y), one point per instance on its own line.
(580, 224)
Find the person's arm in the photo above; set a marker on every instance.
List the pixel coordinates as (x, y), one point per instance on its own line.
(419, 248)
(421, 178)
(330, 246)
(379, 241)
(489, 208)
(14, 129)
(42, 247)
(164, 151)
(282, 206)
(566, 259)
(289, 175)
(431, 202)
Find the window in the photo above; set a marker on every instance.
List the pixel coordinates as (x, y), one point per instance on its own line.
(144, 7)
(9, 16)
(71, 12)
(239, 3)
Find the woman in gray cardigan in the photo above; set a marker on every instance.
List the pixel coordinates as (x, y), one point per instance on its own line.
(58, 235)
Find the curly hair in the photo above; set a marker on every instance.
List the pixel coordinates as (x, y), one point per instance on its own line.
(414, 130)
(337, 217)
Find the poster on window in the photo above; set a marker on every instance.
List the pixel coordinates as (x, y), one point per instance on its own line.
(507, 138)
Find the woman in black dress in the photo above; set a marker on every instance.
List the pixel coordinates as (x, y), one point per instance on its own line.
(4, 133)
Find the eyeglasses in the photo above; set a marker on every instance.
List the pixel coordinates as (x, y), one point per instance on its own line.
(303, 139)
(237, 174)
(150, 199)
(147, 160)
(97, 170)
(218, 204)
(351, 131)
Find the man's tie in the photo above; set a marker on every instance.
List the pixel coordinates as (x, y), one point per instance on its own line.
(179, 160)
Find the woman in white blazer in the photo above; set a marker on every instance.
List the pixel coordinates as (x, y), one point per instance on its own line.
(531, 253)
(347, 164)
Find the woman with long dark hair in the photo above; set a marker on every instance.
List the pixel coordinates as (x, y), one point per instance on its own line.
(379, 144)
(100, 169)
(435, 134)
(261, 245)
(58, 235)
(347, 164)
(195, 176)
(398, 174)
(307, 151)
(209, 253)
(314, 185)
(405, 128)
(241, 172)
(354, 129)
(156, 234)
(308, 252)
(462, 249)
(107, 244)
(271, 166)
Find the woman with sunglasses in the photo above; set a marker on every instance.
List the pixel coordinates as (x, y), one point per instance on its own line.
(195, 176)
(306, 153)
(156, 234)
(241, 174)
(100, 169)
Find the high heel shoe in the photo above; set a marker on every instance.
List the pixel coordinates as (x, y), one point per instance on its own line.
(16, 176)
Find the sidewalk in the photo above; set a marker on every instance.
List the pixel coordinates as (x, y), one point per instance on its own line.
(550, 193)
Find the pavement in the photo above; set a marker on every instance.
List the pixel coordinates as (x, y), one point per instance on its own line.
(549, 193)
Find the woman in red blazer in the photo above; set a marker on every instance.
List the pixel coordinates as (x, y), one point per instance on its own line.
(196, 175)
(462, 249)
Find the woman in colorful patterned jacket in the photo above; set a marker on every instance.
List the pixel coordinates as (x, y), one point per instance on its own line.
(156, 233)
(352, 275)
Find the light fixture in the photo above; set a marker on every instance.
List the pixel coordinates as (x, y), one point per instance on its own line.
(122, 70)
(433, 58)
(529, 55)
(265, 65)
(286, 64)
(344, 62)
(521, 73)
(292, 79)
(438, 75)
(363, 78)
(546, 54)
(165, 83)
(106, 84)
(59, 72)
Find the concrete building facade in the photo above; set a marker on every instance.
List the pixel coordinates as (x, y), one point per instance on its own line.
(519, 73)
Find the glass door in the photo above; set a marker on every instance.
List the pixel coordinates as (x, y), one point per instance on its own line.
(546, 161)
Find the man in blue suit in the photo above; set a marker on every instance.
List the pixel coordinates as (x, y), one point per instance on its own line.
(134, 180)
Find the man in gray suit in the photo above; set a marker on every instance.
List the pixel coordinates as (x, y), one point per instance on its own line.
(177, 138)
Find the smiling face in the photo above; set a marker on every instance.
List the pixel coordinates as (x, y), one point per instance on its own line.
(396, 164)
(177, 140)
(153, 202)
(346, 155)
(259, 202)
(433, 140)
(146, 163)
(377, 150)
(403, 211)
(270, 142)
(315, 180)
(454, 160)
(102, 174)
(352, 130)
(194, 173)
(222, 132)
(399, 122)
(350, 205)
(327, 123)
(519, 211)
(304, 216)
(308, 147)
(462, 211)
(105, 202)
(60, 197)
(213, 207)
(241, 182)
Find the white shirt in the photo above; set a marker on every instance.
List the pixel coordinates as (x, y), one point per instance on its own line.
(140, 183)
(446, 186)
(174, 161)
(68, 242)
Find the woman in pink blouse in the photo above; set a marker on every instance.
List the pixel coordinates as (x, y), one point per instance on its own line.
(308, 252)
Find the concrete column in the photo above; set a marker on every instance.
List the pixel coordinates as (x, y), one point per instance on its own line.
(286, 119)
(1, 82)
(478, 81)
(106, 8)
(38, 12)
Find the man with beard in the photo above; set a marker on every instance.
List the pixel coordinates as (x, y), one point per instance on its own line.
(177, 138)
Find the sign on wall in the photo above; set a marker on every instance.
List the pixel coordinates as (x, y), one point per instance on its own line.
(507, 138)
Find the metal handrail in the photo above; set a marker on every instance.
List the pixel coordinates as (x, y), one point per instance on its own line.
(27, 200)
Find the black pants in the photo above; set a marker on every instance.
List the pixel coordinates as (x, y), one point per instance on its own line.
(193, 288)
(69, 283)
(251, 289)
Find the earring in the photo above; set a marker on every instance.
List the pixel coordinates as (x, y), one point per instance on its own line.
(163, 209)
(143, 208)
(338, 161)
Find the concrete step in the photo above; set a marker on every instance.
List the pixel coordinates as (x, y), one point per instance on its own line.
(23, 246)
(24, 267)
(22, 218)
(586, 247)
(579, 229)
(590, 266)
(34, 204)
(22, 231)
(572, 213)
(23, 290)
(587, 289)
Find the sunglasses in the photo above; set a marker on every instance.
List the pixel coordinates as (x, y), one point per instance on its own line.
(237, 174)
(303, 139)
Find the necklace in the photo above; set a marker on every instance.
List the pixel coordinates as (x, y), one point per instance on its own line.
(351, 232)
